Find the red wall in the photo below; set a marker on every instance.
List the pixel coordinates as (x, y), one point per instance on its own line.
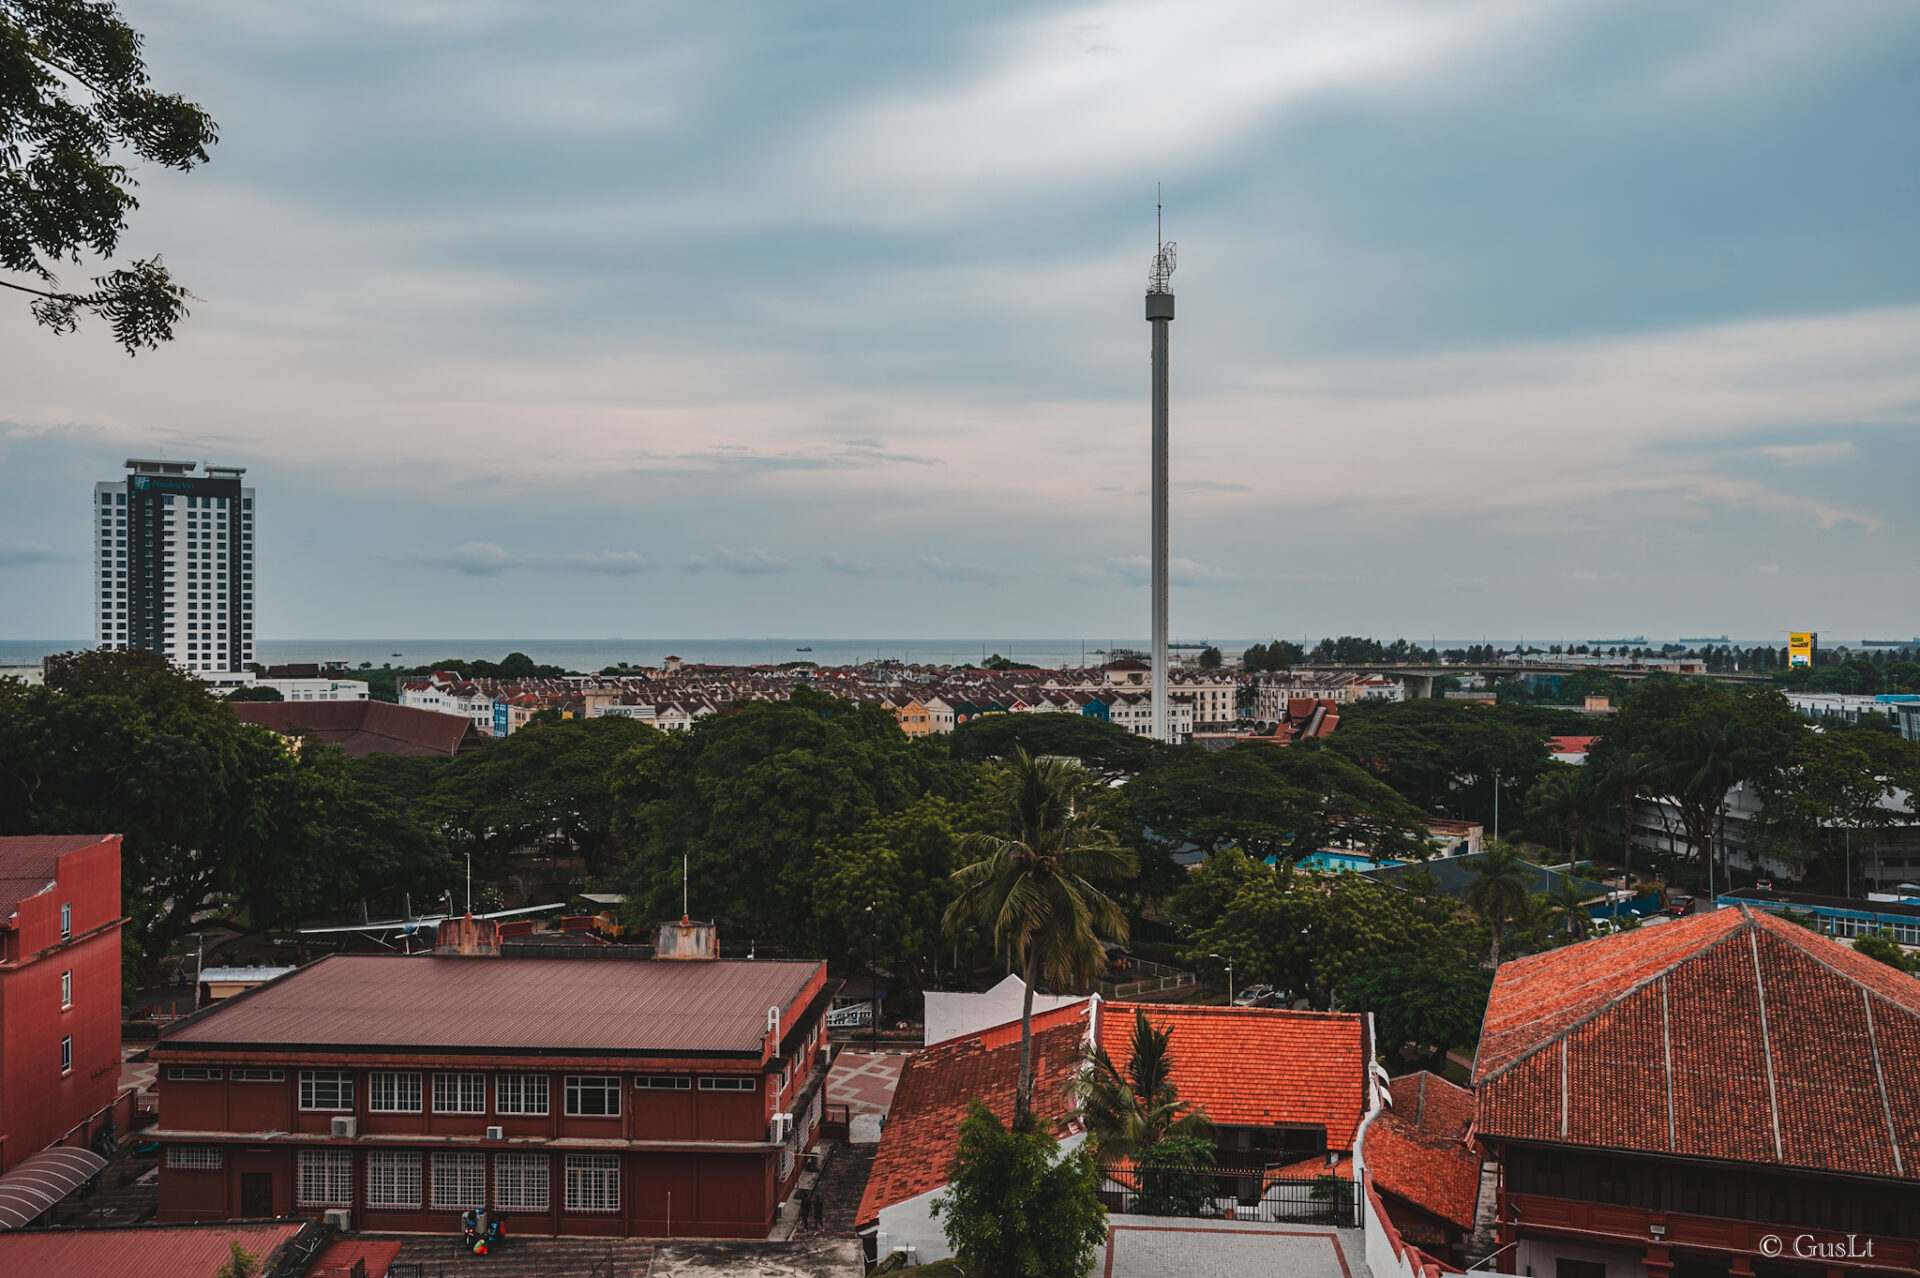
(38, 1104)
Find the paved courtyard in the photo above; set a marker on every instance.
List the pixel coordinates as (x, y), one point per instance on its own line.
(1154, 1246)
(864, 1083)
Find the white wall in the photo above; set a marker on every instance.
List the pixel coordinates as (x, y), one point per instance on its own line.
(913, 1224)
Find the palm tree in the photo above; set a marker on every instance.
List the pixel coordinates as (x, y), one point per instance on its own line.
(1127, 1112)
(1500, 889)
(1630, 772)
(1570, 903)
(1033, 885)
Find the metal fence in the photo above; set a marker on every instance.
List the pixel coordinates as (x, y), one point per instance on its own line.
(1228, 1193)
(1142, 977)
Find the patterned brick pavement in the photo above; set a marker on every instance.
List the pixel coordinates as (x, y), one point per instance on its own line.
(864, 1081)
(1152, 1247)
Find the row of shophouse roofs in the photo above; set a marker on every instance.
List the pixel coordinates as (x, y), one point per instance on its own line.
(926, 701)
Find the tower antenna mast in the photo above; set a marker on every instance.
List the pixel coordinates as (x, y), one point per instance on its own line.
(1160, 315)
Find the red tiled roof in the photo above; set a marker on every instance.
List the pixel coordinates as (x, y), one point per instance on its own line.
(1314, 1168)
(586, 1005)
(366, 727)
(28, 864)
(923, 1124)
(142, 1251)
(1730, 1035)
(340, 1254)
(1570, 745)
(1418, 1151)
(1257, 1066)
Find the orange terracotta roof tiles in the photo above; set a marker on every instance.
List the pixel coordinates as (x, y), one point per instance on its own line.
(1257, 1066)
(1732, 1035)
(1418, 1151)
(930, 1100)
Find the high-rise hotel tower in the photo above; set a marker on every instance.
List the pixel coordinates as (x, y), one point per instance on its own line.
(175, 570)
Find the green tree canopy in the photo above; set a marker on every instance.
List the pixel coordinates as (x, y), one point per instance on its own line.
(880, 892)
(75, 106)
(1429, 1001)
(750, 797)
(1500, 890)
(217, 817)
(1104, 747)
(1445, 756)
(1015, 1207)
(548, 780)
(1284, 802)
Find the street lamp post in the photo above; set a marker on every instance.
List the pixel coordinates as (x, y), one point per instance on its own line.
(873, 974)
(1229, 965)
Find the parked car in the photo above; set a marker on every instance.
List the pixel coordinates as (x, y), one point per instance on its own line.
(1257, 996)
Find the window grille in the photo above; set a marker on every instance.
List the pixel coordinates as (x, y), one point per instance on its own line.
(459, 1093)
(324, 1178)
(393, 1178)
(324, 1089)
(192, 1074)
(393, 1093)
(729, 1084)
(520, 1182)
(593, 1095)
(663, 1082)
(460, 1180)
(520, 1093)
(593, 1182)
(193, 1157)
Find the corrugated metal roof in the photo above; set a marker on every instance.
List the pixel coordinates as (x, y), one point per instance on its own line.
(145, 1251)
(27, 864)
(462, 1003)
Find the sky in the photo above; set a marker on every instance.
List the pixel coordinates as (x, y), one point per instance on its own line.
(578, 320)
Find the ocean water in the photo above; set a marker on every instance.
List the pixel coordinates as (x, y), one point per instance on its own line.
(596, 654)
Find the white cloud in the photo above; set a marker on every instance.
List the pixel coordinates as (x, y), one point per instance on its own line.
(954, 570)
(842, 564)
(485, 559)
(747, 563)
(18, 554)
(1137, 570)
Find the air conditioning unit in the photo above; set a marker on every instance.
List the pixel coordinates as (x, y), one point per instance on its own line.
(782, 1127)
(346, 1127)
(340, 1218)
(496, 1133)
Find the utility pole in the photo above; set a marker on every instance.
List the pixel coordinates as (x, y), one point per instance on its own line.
(1160, 315)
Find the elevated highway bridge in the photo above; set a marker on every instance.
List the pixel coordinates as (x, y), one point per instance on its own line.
(1419, 676)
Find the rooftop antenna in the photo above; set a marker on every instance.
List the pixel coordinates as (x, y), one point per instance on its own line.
(1160, 315)
(685, 914)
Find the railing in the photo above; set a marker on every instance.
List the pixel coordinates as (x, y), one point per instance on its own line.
(1228, 1193)
(1142, 977)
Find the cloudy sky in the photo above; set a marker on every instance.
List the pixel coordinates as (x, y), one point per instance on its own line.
(664, 320)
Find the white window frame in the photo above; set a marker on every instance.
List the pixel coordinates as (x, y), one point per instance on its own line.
(593, 1184)
(66, 921)
(607, 1086)
(393, 1091)
(66, 989)
(393, 1179)
(522, 1182)
(729, 1083)
(339, 1085)
(66, 1055)
(259, 1075)
(663, 1082)
(514, 1094)
(464, 1093)
(195, 1158)
(192, 1074)
(459, 1180)
(323, 1178)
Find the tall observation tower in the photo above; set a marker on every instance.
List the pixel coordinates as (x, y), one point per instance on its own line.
(1160, 315)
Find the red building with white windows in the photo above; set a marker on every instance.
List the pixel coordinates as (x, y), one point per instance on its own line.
(615, 1096)
(1727, 1095)
(59, 988)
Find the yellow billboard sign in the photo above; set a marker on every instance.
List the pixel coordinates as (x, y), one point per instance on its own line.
(1801, 646)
